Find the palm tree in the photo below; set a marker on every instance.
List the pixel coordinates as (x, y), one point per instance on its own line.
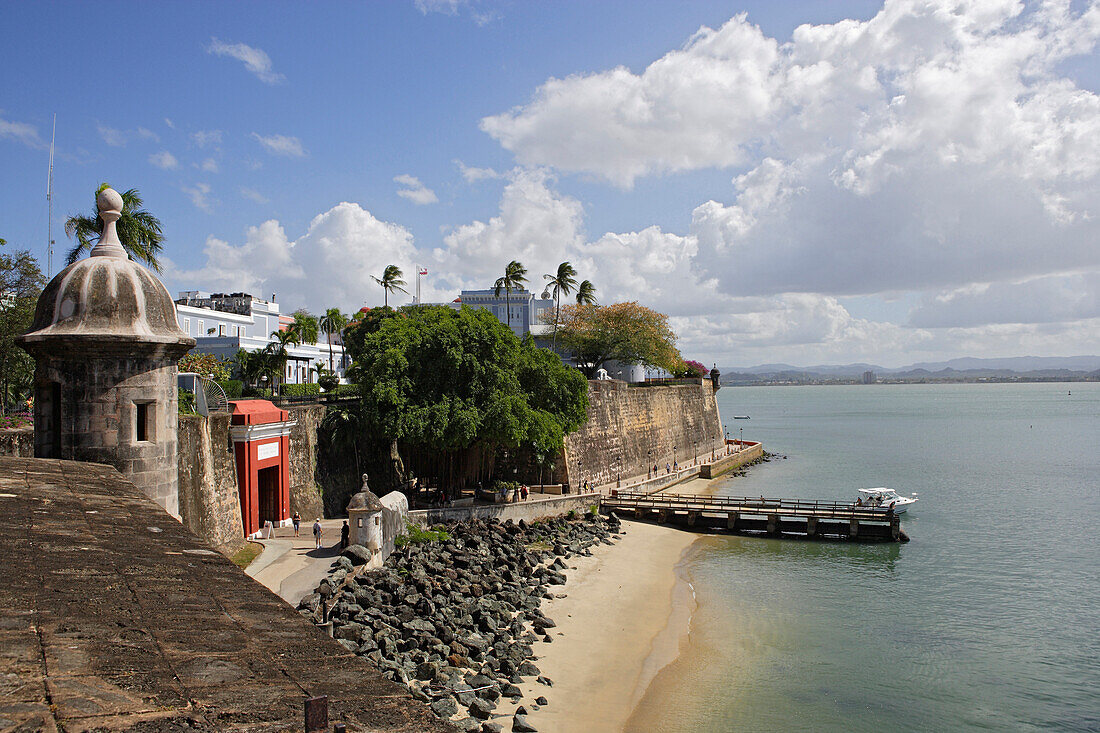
(586, 293)
(390, 281)
(138, 231)
(562, 282)
(332, 322)
(304, 327)
(515, 277)
(276, 355)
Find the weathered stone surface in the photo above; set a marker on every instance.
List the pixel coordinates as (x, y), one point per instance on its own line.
(17, 442)
(143, 627)
(305, 498)
(631, 428)
(209, 499)
(520, 725)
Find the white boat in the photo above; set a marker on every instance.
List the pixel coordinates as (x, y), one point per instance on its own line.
(882, 497)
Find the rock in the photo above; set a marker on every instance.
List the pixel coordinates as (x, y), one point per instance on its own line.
(511, 691)
(541, 700)
(521, 710)
(348, 644)
(490, 727)
(527, 669)
(469, 725)
(444, 707)
(481, 708)
(545, 681)
(520, 725)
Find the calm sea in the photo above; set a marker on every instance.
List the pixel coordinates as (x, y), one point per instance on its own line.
(988, 620)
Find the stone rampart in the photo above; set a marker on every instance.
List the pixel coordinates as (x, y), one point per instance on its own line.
(209, 499)
(746, 452)
(531, 510)
(304, 495)
(17, 442)
(629, 429)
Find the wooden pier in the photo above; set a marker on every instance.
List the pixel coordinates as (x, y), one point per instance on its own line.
(763, 516)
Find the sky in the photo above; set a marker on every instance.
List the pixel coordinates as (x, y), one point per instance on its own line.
(806, 182)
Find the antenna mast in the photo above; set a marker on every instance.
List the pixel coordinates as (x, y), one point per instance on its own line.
(49, 205)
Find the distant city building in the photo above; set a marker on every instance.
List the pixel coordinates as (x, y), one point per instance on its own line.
(868, 377)
(526, 310)
(222, 323)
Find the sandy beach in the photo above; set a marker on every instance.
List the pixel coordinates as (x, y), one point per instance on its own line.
(622, 619)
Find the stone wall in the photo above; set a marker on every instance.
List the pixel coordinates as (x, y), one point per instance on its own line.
(631, 428)
(17, 442)
(395, 511)
(305, 498)
(531, 510)
(209, 499)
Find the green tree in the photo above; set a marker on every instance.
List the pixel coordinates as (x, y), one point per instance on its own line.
(390, 281)
(305, 327)
(207, 365)
(451, 380)
(138, 231)
(332, 322)
(626, 332)
(21, 283)
(514, 278)
(586, 293)
(562, 282)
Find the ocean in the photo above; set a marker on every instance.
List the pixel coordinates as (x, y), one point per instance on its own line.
(989, 619)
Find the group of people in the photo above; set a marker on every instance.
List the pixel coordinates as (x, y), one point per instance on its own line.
(319, 531)
(519, 493)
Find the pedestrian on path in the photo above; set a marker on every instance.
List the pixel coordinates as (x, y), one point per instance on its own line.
(317, 532)
(524, 491)
(345, 535)
(297, 519)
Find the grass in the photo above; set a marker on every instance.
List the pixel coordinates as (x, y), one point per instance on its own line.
(243, 557)
(415, 535)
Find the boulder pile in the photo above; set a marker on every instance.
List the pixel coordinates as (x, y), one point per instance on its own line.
(454, 620)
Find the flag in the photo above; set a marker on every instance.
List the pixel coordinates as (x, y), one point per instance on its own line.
(422, 271)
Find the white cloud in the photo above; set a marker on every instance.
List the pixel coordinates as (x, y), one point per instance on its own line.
(169, 122)
(200, 196)
(164, 160)
(209, 165)
(414, 190)
(473, 175)
(330, 265)
(255, 60)
(1046, 299)
(281, 145)
(254, 195)
(118, 138)
(21, 131)
(203, 138)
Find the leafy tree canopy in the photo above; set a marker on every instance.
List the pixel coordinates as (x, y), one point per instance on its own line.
(21, 283)
(206, 365)
(625, 332)
(451, 379)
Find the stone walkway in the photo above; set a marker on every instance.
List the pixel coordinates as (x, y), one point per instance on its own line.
(113, 616)
(291, 566)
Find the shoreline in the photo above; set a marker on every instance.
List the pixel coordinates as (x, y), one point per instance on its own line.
(612, 636)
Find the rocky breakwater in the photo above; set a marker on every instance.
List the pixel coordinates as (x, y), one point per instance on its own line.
(454, 619)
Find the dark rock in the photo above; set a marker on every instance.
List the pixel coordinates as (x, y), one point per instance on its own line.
(490, 727)
(511, 691)
(520, 725)
(481, 708)
(541, 700)
(444, 707)
(545, 681)
(521, 710)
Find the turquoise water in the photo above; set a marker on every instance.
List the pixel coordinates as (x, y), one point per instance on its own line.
(988, 620)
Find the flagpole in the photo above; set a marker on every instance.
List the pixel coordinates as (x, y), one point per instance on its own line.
(49, 205)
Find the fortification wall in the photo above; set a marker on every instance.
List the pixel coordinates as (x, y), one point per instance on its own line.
(305, 498)
(532, 510)
(629, 429)
(209, 499)
(17, 442)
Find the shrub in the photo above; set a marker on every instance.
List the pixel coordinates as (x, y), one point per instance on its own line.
(205, 365)
(186, 401)
(16, 420)
(417, 535)
(300, 390)
(233, 388)
(328, 382)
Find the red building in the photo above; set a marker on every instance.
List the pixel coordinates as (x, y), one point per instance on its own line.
(261, 442)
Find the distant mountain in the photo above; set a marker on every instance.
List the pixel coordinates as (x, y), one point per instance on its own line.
(963, 369)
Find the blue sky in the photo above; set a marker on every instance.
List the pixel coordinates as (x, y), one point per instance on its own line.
(802, 181)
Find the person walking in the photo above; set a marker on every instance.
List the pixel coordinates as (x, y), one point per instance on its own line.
(317, 532)
(345, 535)
(524, 491)
(297, 519)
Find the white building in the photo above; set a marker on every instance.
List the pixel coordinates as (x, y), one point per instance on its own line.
(527, 311)
(221, 324)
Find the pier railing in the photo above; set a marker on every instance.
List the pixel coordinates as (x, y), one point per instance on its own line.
(744, 505)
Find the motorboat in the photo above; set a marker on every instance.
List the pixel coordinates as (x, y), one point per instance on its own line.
(882, 498)
(741, 417)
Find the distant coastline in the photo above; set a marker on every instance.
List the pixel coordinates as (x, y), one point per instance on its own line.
(764, 381)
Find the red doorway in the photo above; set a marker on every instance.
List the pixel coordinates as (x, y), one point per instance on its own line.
(269, 495)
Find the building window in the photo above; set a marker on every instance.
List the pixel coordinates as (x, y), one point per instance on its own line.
(187, 326)
(221, 329)
(201, 324)
(144, 415)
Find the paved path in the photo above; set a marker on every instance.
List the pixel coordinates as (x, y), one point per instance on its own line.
(291, 566)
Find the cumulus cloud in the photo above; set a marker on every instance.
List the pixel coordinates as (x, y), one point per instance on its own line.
(933, 147)
(254, 195)
(281, 145)
(164, 160)
(473, 175)
(22, 132)
(255, 60)
(414, 190)
(330, 265)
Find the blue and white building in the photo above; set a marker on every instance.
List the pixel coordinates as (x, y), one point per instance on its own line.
(527, 311)
(222, 323)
